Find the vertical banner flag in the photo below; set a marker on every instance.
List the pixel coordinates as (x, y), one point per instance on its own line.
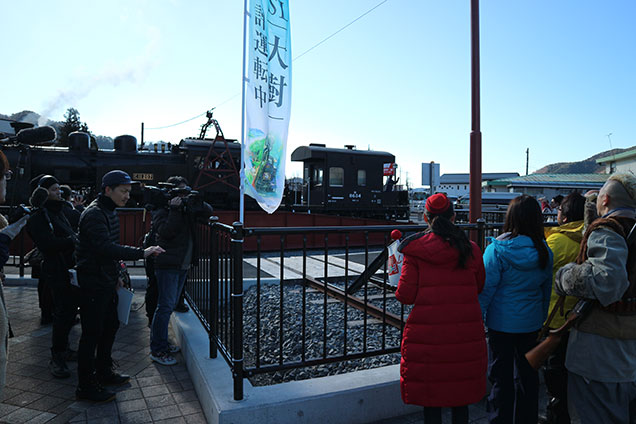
(267, 102)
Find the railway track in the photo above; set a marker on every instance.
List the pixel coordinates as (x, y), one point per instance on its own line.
(363, 305)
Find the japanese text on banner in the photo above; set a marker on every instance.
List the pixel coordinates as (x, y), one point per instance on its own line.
(267, 102)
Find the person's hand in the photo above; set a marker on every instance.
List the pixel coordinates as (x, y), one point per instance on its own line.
(153, 250)
(13, 230)
(175, 201)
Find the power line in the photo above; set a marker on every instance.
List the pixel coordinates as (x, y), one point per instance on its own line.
(341, 29)
(293, 60)
(178, 123)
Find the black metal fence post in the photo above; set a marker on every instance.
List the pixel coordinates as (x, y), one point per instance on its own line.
(237, 307)
(481, 233)
(22, 253)
(213, 292)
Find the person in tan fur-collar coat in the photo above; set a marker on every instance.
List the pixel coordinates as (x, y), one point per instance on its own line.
(7, 233)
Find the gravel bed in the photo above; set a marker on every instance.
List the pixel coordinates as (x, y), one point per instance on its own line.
(314, 333)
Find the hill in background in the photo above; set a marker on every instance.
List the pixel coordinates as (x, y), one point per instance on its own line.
(587, 166)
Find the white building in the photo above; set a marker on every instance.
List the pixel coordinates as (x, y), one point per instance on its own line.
(458, 184)
(619, 163)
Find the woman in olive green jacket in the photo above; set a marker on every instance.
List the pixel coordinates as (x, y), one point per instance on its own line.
(564, 242)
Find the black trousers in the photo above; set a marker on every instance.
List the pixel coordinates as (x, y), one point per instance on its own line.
(556, 382)
(98, 312)
(514, 397)
(66, 299)
(459, 415)
(45, 297)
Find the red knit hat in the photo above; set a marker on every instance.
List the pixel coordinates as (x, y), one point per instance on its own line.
(437, 203)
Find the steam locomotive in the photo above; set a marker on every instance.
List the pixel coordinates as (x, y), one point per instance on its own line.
(336, 181)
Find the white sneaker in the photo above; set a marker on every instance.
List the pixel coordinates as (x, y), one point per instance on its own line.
(164, 358)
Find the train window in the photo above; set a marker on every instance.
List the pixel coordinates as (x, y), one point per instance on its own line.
(336, 177)
(317, 176)
(362, 177)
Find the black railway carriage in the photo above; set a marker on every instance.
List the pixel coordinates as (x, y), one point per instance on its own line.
(349, 182)
(341, 181)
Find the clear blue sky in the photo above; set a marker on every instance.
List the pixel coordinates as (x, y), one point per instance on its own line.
(556, 76)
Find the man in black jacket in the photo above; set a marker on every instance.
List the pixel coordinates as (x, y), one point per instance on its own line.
(72, 214)
(45, 292)
(175, 232)
(54, 236)
(98, 254)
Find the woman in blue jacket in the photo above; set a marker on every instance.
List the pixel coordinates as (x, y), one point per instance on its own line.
(515, 303)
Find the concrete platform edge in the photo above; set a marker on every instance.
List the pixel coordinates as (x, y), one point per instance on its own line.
(353, 398)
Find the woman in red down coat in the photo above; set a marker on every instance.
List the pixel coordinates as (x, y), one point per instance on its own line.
(444, 357)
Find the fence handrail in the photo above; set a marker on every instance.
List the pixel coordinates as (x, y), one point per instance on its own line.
(251, 231)
(226, 291)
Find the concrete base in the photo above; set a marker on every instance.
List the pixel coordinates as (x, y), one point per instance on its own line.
(358, 397)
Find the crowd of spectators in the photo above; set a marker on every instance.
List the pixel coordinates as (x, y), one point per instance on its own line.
(575, 282)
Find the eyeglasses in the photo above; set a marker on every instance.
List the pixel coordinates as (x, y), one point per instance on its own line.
(8, 175)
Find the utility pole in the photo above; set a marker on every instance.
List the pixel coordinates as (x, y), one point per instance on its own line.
(527, 159)
(475, 134)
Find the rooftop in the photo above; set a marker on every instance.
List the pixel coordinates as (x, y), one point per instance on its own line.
(552, 180)
(464, 178)
(620, 156)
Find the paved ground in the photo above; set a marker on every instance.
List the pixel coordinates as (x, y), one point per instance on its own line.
(155, 394)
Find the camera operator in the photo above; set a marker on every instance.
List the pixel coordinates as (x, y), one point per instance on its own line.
(176, 233)
(54, 236)
(156, 200)
(7, 233)
(98, 255)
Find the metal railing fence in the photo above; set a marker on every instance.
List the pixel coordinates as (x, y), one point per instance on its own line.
(279, 315)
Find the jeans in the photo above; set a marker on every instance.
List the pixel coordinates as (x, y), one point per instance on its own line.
(98, 313)
(151, 290)
(514, 397)
(169, 282)
(596, 402)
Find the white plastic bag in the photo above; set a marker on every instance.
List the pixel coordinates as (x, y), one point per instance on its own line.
(394, 263)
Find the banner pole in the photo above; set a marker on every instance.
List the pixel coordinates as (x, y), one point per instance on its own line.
(243, 83)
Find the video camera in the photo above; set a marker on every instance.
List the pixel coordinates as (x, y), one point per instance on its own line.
(158, 197)
(18, 212)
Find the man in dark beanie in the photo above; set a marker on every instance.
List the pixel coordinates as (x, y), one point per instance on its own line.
(45, 295)
(98, 255)
(54, 236)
